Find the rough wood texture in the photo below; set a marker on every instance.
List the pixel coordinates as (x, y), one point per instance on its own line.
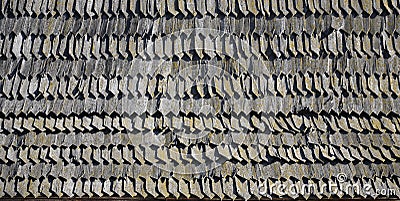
(82, 116)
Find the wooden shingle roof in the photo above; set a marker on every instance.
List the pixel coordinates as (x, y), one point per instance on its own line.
(95, 100)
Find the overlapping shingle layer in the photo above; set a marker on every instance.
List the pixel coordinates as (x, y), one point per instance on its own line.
(80, 113)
